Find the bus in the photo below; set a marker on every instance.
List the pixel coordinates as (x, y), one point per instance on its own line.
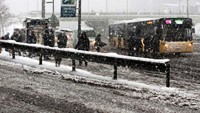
(158, 35)
(37, 25)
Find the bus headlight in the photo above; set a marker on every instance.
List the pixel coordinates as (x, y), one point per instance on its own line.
(166, 45)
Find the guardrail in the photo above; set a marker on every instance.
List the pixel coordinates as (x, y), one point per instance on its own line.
(159, 65)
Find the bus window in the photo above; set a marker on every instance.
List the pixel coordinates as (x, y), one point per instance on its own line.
(91, 33)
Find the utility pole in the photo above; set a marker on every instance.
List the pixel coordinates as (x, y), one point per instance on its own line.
(187, 9)
(79, 31)
(43, 8)
(79, 19)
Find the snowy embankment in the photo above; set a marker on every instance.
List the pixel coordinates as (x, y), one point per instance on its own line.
(175, 96)
(197, 29)
(11, 28)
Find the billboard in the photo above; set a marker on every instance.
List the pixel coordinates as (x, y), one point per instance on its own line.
(68, 2)
(68, 8)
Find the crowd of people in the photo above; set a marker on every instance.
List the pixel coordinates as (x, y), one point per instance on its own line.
(48, 37)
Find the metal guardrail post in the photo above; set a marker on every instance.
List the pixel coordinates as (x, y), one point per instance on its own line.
(40, 59)
(73, 65)
(115, 72)
(13, 52)
(168, 75)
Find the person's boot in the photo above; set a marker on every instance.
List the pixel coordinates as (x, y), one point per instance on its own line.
(80, 63)
(86, 64)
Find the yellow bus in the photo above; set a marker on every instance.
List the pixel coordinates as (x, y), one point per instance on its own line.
(158, 36)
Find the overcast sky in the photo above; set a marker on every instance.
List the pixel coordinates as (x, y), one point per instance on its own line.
(18, 6)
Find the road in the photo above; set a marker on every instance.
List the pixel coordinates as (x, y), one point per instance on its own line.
(23, 90)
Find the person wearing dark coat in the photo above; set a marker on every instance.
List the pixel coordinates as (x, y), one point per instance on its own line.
(46, 42)
(31, 39)
(18, 38)
(46, 38)
(6, 37)
(134, 45)
(51, 39)
(83, 44)
(62, 43)
(98, 42)
(62, 40)
(15, 36)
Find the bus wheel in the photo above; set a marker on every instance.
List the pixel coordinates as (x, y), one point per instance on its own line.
(177, 54)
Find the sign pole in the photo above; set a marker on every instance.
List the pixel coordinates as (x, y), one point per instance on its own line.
(53, 7)
(43, 8)
(79, 19)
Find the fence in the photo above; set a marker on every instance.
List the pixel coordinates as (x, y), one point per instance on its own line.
(159, 65)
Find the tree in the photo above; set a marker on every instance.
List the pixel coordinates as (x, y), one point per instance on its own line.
(4, 16)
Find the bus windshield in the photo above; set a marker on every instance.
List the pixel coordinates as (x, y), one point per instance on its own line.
(90, 34)
(177, 30)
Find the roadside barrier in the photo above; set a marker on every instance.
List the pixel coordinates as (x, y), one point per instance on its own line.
(158, 65)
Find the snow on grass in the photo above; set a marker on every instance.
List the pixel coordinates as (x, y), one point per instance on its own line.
(78, 73)
(152, 92)
(197, 29)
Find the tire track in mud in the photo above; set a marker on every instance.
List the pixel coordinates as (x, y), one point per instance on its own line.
(44, 101)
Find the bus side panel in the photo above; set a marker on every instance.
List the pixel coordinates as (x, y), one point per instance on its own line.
(115, 42)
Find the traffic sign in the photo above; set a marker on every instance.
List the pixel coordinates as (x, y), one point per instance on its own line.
(68, 11)
(67, 2)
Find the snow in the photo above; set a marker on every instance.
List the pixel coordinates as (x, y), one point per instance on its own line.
(134, 20)
(32, 65)
(197, 29)
(11, 28)
(28, 63)
(73, 25)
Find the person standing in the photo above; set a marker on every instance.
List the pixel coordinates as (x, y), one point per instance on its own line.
(51, 39)
(62, 40)
(46, 42)
(98, 42)
(62, 43)
(31, 39)
(7, 37)
(135, 45)
(83, 44)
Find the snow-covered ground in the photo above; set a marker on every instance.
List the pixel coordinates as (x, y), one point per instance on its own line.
(197, 29)
(171, 95)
